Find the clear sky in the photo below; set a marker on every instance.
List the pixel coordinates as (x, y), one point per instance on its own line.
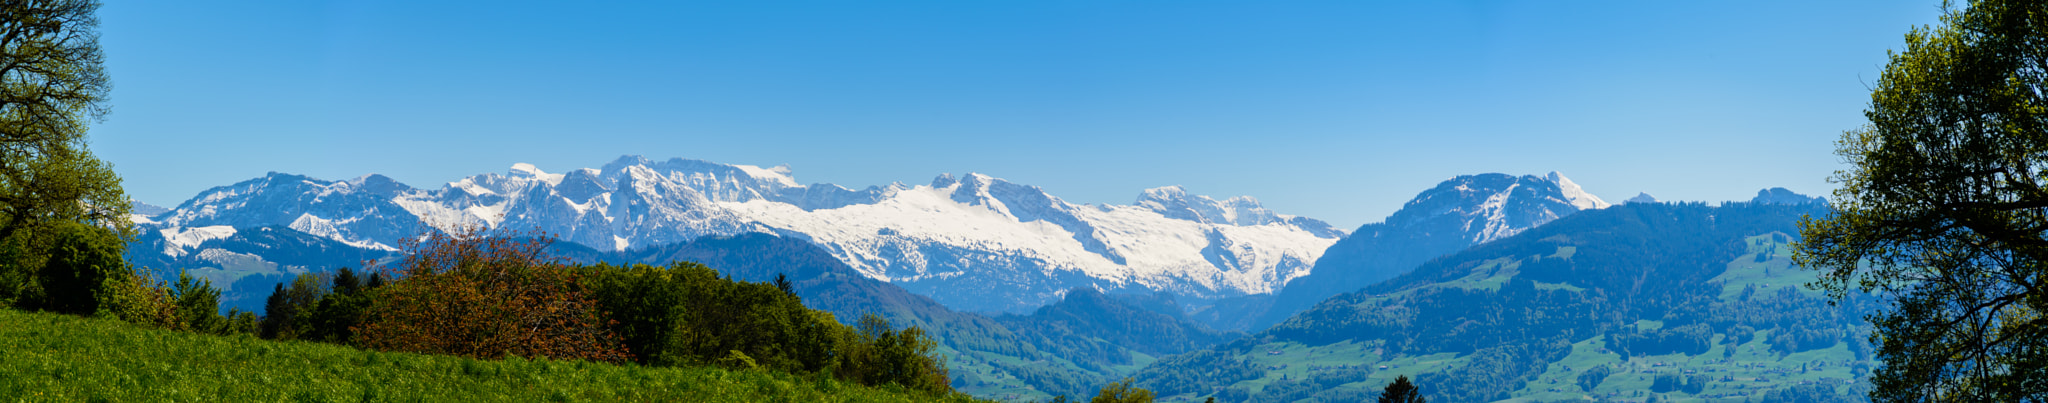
(1338, 110)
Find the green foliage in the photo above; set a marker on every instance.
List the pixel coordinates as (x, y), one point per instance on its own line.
(1401, 391)
(1806, 394)
(1048, 376)
(52, 84)
(476, 296)
(65, 358)
(1122, 392)
(1665, 383)
(82, 273)
(1522, 318)
(1592, 378)
(59, 205)
(1941, 210)
(877, 354)
(1689, 339)
(340, 310)
(1198, 372)
(685, 314)
(288, 312)
(1097, 331)
(198, 306)
(1494, 372)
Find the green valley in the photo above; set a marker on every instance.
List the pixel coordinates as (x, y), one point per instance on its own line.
(1683, 302)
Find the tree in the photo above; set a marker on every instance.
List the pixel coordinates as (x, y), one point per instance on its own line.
(1944, 210)
(287, 315)
(487, 297)
(198, 305)
(334, 318)
(1122, 392)
(82, 270)
(51, 85)
(1400, 391)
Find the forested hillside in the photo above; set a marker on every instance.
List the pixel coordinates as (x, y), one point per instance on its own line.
(1069, 348)
(1628, 302)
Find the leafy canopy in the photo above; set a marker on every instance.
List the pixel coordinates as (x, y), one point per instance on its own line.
(1944, 210)
(51, 85)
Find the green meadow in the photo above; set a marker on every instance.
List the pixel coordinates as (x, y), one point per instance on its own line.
(62, 358)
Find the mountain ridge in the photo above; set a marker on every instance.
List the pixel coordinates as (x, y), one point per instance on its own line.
(974, 242)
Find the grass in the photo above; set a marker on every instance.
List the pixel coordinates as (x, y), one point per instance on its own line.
(51, 357)
(1774, 272)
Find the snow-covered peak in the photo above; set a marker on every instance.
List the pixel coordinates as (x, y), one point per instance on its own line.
(528, 171)
(778, 174)
(178, 241)
(1175, 192)
(1577, 196)
(1491, 206)
(1175, 202)
(973, 240)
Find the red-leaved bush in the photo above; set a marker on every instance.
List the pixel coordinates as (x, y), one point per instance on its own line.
(487, 297)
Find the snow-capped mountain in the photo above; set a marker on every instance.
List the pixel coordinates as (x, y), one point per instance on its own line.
(973, 242)
(1456, 214)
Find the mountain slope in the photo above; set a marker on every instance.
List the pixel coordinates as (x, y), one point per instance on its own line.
(244, 263)
(972, 242)
(1457, 213)
(1678, 300)
(1099, 331)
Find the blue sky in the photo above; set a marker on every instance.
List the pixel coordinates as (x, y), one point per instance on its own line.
(1335, 110)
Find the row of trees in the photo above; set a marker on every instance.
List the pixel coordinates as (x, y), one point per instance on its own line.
(78, 270)
(493, 297)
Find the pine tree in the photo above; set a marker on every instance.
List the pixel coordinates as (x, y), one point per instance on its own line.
(1401, 391)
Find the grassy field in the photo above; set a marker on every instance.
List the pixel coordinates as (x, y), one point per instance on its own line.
(50, 357)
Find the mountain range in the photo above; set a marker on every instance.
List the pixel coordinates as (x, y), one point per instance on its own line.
(972, 242)
(1638, 302)
(1031, 296)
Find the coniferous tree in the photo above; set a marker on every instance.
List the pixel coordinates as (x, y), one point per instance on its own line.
(782, 283)
(1401, 391)
(198, 305)
(276, 313)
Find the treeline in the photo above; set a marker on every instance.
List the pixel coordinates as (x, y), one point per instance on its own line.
(495, 297)
(77, 268)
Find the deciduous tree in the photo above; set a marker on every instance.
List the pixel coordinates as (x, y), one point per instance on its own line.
(1122, 392)
(1943, 210)
(52, 86)
(487, 297)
